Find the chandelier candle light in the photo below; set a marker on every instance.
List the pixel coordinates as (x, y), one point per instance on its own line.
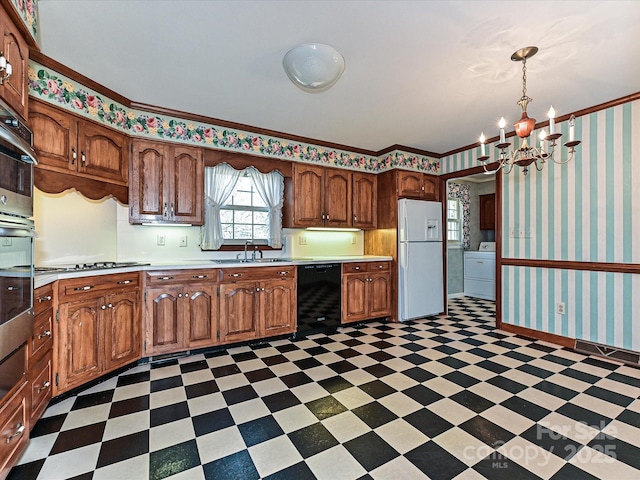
(528, 152)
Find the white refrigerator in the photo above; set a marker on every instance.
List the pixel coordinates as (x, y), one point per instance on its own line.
(420, 285)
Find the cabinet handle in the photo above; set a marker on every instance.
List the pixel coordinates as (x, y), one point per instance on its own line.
(165, 212)
(124, 282)
(46, 333)
(44, 299)
(12, 288)
(262, 289)
(165, 278)
(83, 158)
(86, 287)
(110, 305)
(44, 386)
(479, 261)
(172, 212)
(327, 217)
(257, 289)
(355, 218)
(422, 188)
(355, 268)
(179, 295)
(235, 274)
(18, 433)
(74, 155)
(283, 273)
(200, 276)
(103, 307)
(380, 266)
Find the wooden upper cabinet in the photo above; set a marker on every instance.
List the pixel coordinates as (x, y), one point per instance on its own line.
(488, 211)
(67, 144)
(321, 197)
(14, 89)
(417, 185)
(364, 204)
(167, 183)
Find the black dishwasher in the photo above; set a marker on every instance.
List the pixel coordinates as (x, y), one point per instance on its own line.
(319, 294)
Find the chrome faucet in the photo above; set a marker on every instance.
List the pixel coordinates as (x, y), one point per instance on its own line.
(255, 253)
(246, 244)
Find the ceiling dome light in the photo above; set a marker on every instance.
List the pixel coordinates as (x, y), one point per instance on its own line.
(314, 67)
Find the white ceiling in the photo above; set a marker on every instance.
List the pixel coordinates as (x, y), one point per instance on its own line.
(424, 74)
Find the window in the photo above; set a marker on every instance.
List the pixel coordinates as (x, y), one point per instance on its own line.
(454, 223)
(241, 205)
(244, 216)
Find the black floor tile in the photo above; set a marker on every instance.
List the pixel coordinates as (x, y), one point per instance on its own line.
(453, 362)
(435, 462)
(275, 360)
(493, 366)
(200, 389)
(571, 472)
(166, 383)
(280, 401)
(334, 384)
(377, 389)
(628, 416)
(379, 370)
(419, 374)
(472, 401)
(525, 408)
(312, 440)
(237, 466)
(299, 471)
(111, 451)
(173, 460)
(626, 379)
(168, 414)
(325, 407)
(601, 363)
(47, 425)
(243, 357)
(428, 422)
(382, 344)
(260, 430)
(370, 450)
(296, 379)
(609, 396)
(255, 376)
(552, 441)
(416, 359)
(506, 384)
(498, 467)
(194, 366)
(225, 370)
(461, 379)
(26, 471)
(239, 394)
(535, 371)
(559, 360)
(374, 414)
(481, 352)
(129, 406)
(307, 363)
(579, 375)
(92, 399)
(618, 449)
(133, 378)
(212, 421)
(78, 437)
(519, 356)
(583, 415)
(487, 431)
(380, 356)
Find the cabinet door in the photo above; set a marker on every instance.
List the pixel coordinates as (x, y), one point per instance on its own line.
(308, 195)
(14, 429)
(148, 190)
(410, 184)
(16, 51)
(354, 298)
(78, 352)
(54, 137)
(121, 332)
(103, 153)
(40, 381)
(379, 295)
(278, 307)
(201, 316)
(164, 327)
(337, 198)
(239, 317)
(488, 212)
(431, 185)
(364, 200)
(188, 185)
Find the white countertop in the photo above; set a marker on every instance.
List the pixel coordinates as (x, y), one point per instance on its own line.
(45, 278)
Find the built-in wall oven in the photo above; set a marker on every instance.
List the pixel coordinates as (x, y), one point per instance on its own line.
(16, 248)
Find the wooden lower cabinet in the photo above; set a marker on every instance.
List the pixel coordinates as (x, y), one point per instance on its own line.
(181, 311)
(257, 302)
(366, 291)
(98, 331)
(14, 428)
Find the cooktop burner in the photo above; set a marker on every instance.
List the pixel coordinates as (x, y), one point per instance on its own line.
(88, 266)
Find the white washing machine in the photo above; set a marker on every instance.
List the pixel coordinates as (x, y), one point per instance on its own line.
(480, 272)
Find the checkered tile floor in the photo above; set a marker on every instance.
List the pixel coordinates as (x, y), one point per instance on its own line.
(440, 398)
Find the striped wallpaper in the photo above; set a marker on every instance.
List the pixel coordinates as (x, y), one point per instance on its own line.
(588, 211)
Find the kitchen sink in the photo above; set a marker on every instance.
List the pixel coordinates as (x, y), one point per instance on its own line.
(257, 260)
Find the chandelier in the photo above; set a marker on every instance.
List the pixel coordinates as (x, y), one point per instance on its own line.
(528, 153)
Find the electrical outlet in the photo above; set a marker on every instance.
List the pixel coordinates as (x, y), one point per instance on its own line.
(353, 239)
(183, 241)
(560, 308)
(161, 240)
(6, 241)
(302, 240)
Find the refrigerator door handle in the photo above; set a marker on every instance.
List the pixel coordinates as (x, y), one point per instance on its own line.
(404, 301)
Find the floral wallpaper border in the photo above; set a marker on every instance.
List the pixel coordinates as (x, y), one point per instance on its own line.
(462, 192)
(27, 9)
(59, 90)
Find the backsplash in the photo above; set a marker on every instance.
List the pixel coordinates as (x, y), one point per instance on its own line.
(73, 229)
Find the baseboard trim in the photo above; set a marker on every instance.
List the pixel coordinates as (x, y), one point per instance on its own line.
(538, 335)
(455, 295)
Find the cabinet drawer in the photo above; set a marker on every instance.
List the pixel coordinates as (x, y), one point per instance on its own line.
(181, 277)
(14, 430)
(94, 286)
(40, 378)
(42, 339)
(378, 266)
(480, 268)
(230, 275)
(43, 298)
(357, 267)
